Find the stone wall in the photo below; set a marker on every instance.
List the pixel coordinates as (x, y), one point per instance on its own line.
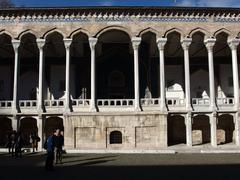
(139, 131)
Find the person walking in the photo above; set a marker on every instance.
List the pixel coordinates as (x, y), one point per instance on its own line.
(49, 146)
(13, 142)
(18, 145)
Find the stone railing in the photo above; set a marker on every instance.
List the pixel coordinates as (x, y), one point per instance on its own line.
(27, 103)
(150, 102)
(5, 104)
(114, 102)
(80, 102)
(225, 101)
(175, 102)
(54, 103)
(200, 101)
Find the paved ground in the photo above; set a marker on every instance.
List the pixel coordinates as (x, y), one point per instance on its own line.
(123, 167)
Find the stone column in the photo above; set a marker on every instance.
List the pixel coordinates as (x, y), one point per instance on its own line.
(233, 45)
(16, 44)
(15, 123)
(40, 44)
(209, 44)
(161, 43)
(213, 124)
(92, 43)
(186, 44)
(40, 132)
(188, 123)
(135, 43)
(67, 43)
(237, 128)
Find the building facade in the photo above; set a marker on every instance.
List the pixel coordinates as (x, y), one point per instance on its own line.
(120, 78)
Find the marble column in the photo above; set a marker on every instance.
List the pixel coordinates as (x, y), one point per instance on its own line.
(40, 44)
(186, 44)
(233, 44)
(16, 44)
(135, 43)
(40, 132)
(15, 122)
(67, 43)
(161, 43)
(92, 43)
(213, 124)
(188, 123)
(237, 128)
(210, 44)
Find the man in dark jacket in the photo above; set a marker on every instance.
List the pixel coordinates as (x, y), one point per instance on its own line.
(49, 146)
(59, 141)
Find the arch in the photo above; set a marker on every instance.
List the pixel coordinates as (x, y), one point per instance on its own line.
(109, 28)
(7, 33)
(179, 31)
(51, 31)
(53, 123)
(28, 125)
(225, 129)
(222, 30)
(149, 29)
(203, 31)
(116, 137)
(28, 31)
(201, 129)
(5, 130)
(80, 30)
(176, 130)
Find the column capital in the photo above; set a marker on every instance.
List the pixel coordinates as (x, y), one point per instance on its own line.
(209, 43)
(92, 42)
(161, 43)
(16, 43)
(186, 42)
(67, 42)
(136, 42)
(233, 43)
(40, 43)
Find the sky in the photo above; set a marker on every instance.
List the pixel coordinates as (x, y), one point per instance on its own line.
(192, 3)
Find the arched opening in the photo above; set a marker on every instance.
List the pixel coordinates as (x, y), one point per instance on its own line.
(149, 66)
(5, 130)
(201, 130)
(53, 123)
(80, 73)
(6, 67)
(199, 67)
(54, 51)
(114, 54)
(28, 125)
(29, 60)
(176, 130)
(223, 63)
(115, 137)
(225, 129)
(174, 60)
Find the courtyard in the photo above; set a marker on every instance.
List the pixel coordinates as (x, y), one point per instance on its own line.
(123, 166)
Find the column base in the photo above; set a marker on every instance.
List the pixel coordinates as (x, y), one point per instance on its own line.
(93, 109)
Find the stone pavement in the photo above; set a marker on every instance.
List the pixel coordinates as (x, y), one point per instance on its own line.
(123, 167)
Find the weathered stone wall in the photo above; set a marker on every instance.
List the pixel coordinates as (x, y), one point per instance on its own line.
(139, 131)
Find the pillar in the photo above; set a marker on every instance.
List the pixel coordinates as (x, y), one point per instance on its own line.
(135, 43)
(40, 44)
(15, 123)
(237, 128)
(161, 43)
(92, 43)
(67, 43)
(16, 44)
(210, 44)
(186, 44)
(213, 124)
(188, 123)
(40, 132)
(233, 44)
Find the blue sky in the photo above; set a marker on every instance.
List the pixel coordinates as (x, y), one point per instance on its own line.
(195, 3)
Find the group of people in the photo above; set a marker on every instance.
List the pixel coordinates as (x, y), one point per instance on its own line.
(15, 143)
(54, 146)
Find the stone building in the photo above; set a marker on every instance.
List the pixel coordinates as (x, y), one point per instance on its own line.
(125, 78)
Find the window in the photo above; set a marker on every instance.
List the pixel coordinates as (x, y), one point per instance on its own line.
(116, 137)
